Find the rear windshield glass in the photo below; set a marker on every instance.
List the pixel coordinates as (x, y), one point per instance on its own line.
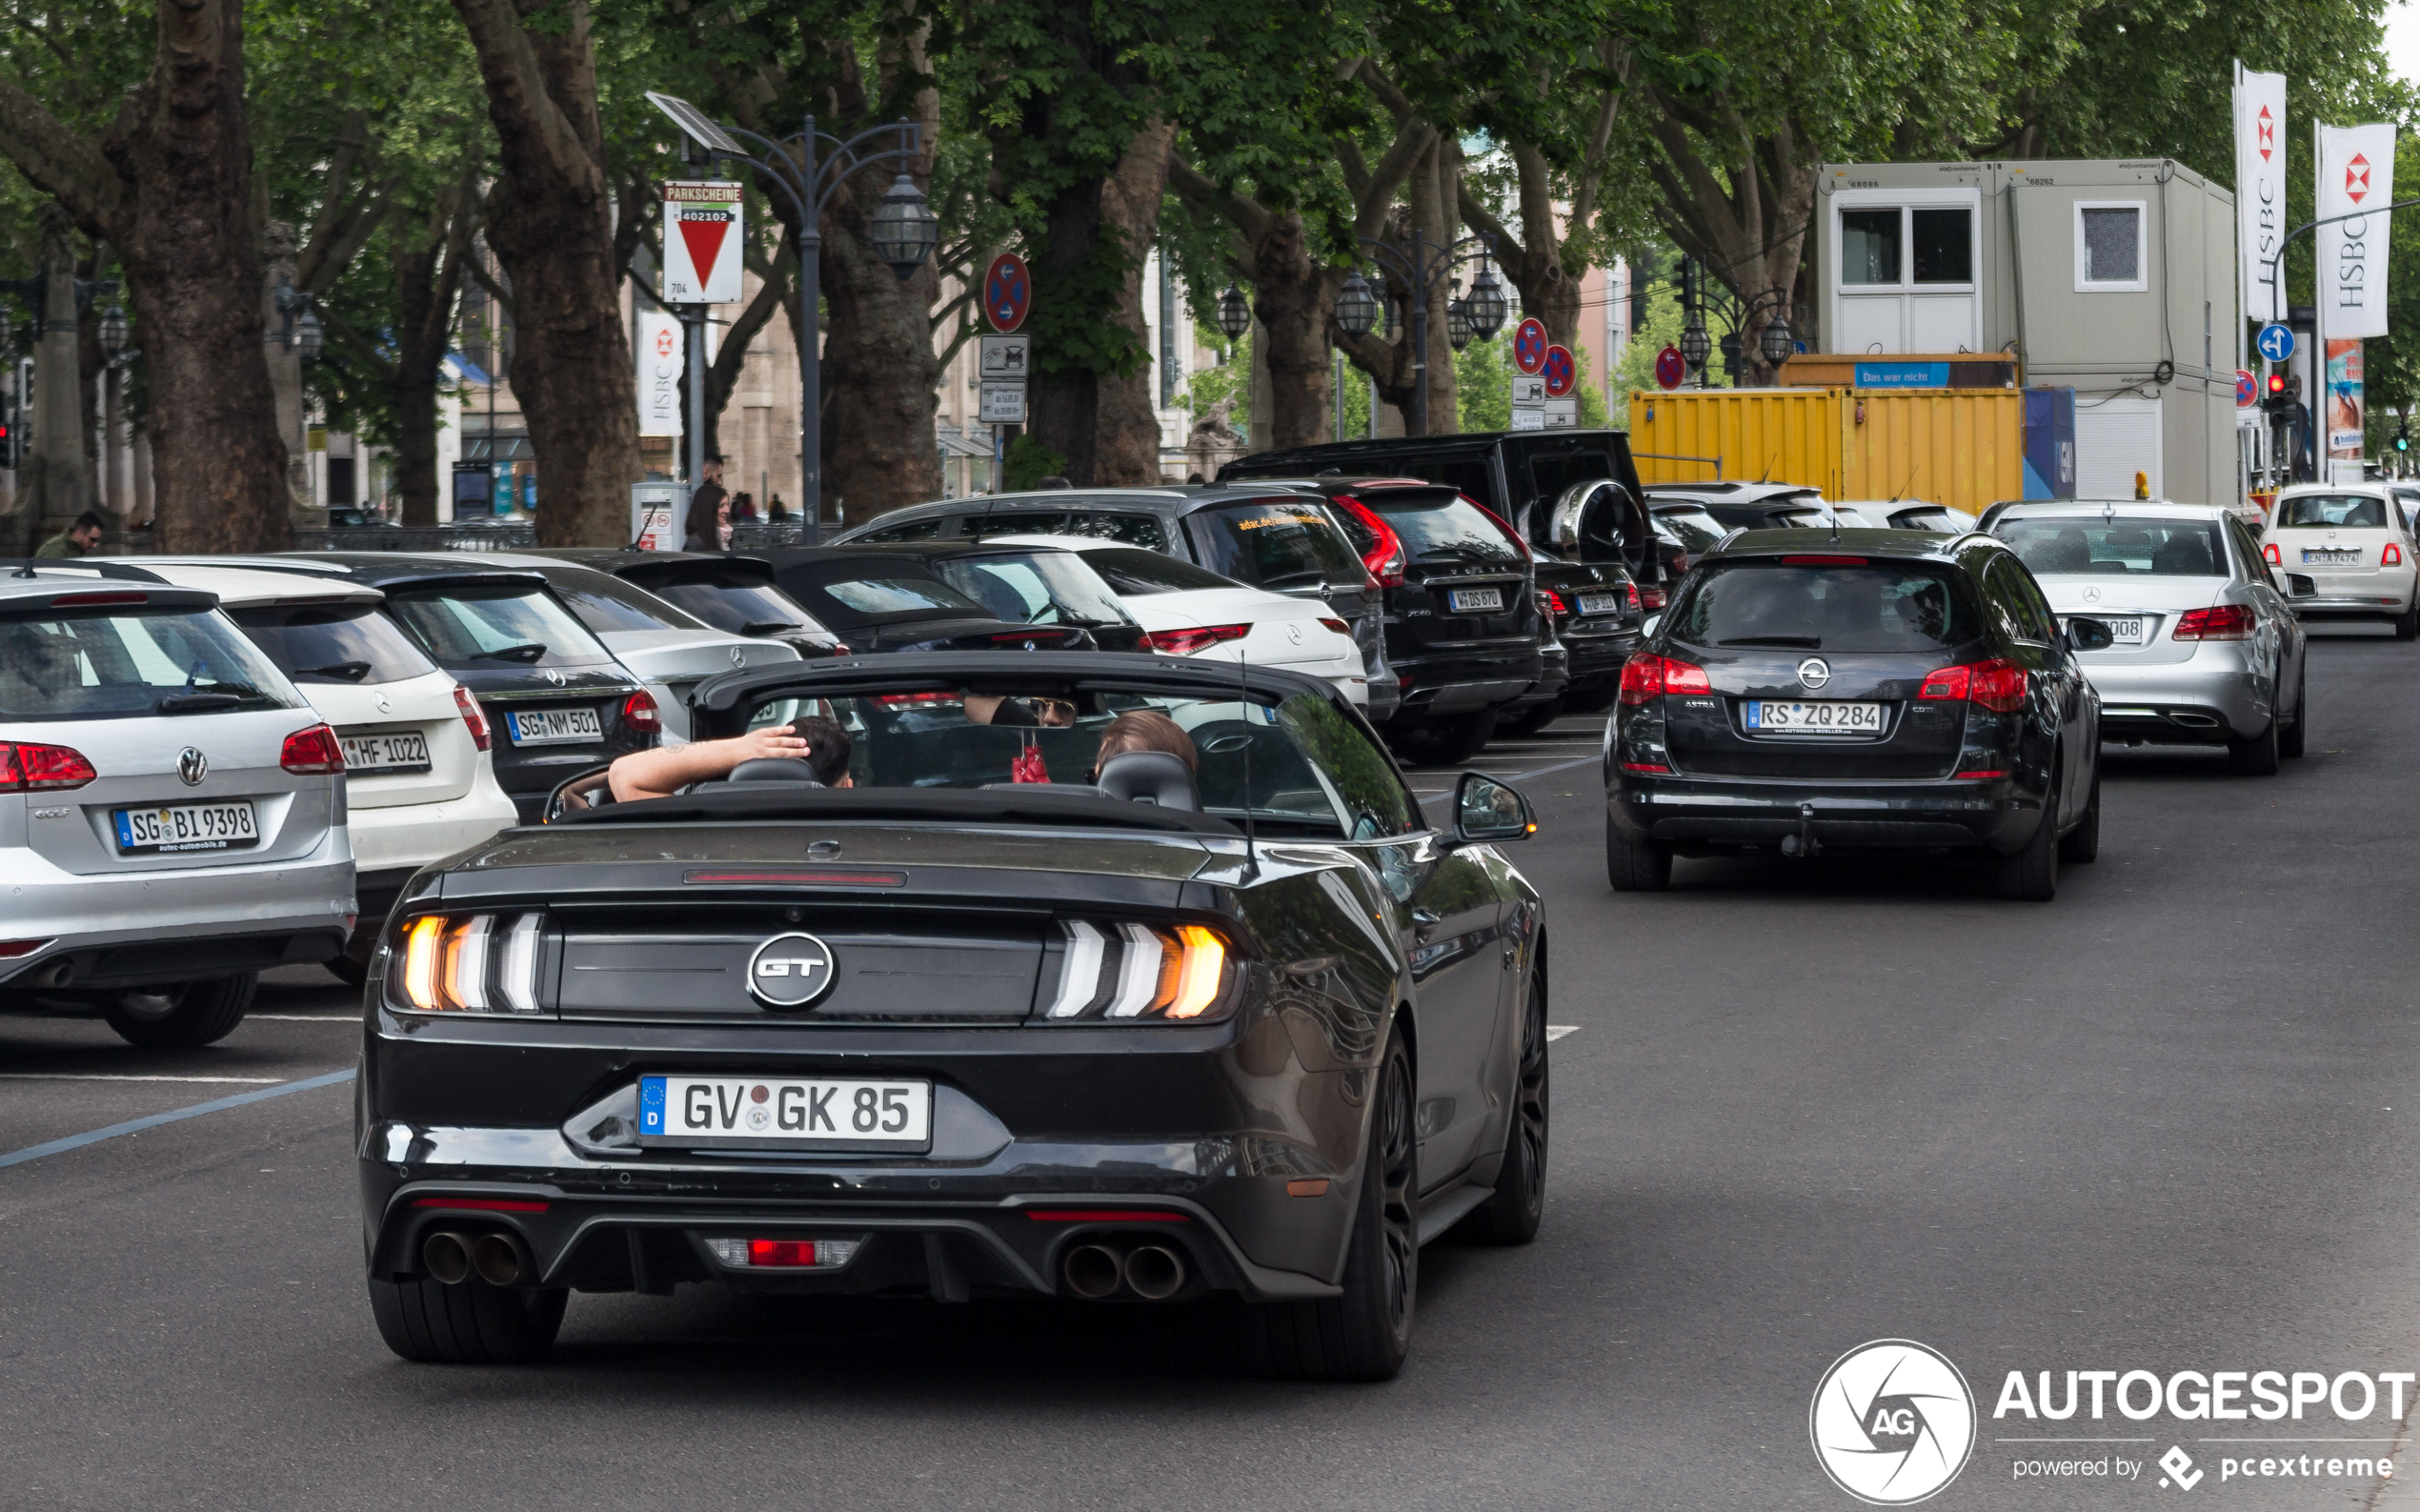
(1694, 528)
(605, 602)
(1272, 543)
(1036, 588)
(2106, 548)
(1880, 607)
(123, 665)
(468, 627)
(747, 609)
(872, 597)
(1441, 527)
(1024, 522)
(1141, 572)
(929, 528)
(333, 642)
(2351, 511)
(1135, 530)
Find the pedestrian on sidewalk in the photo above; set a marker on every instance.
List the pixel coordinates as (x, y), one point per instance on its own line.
(80, 540)
(708, 527)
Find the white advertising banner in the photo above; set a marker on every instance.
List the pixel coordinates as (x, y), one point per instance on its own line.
(2260, 186)
(661, 362)
(2356, 172)
(701, 243)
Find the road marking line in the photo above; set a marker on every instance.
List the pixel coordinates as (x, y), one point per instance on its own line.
(308, 1019)
(118, 1076)
(1555, 1032)
(76, 1141)
(1560, 766)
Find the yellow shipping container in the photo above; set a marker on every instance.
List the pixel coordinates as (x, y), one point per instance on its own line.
(1960, 446)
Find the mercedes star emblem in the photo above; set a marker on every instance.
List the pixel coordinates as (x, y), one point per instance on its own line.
(1294, 634)
(1814, 673)
(384, 707)
(738, 658)
(554, 676)
(789, 971)
(2091, 596)
(192, 766)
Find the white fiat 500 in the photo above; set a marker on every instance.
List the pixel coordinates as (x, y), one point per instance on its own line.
(2356, 548)
(420, 777)
(1190, 611)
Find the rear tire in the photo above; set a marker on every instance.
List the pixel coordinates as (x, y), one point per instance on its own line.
(1532, 721)
(1512, 1216)
(471, 1323)
(2031, 876)
(1364, 1333)
(1636, 866)
(2408, 623)
(2291, 740)
(2256, 756)
(2082, 843)
(181, 1017)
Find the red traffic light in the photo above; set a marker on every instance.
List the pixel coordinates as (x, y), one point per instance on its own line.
(2276, 385)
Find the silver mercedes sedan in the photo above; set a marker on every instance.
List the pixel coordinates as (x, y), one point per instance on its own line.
(2207, 649)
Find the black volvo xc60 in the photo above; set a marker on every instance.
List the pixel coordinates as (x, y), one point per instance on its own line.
(1875, 690)
(1222, 1017)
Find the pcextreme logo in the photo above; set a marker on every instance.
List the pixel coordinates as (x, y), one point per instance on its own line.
(1892, 1423)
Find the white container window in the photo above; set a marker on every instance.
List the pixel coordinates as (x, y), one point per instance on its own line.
(2108, 246)
(1905, 274)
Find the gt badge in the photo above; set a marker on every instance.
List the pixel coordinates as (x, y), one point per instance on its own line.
(789, 971)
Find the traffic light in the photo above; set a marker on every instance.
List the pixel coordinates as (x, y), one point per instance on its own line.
(2403, 438)
(7, 445)
(2276, 398)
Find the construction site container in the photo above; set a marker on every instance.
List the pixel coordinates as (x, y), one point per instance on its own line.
(1960, 446)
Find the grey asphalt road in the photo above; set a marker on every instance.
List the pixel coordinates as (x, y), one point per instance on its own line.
(2166, 1122)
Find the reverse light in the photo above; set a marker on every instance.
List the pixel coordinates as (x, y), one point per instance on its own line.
(480, 964)
(1194, 638)
(1997, 685)
(477, 722)
(311, 752)
(2270, 550)
(1129, 971)
(1385, 559)
(2218, 622)
(640, 713)
(785, 1254)
(28, 768)
(1647, 675)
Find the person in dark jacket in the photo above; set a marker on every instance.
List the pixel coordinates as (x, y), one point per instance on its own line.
(708, 527)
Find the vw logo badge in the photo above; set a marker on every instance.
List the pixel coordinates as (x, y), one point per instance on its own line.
(554, 676)
(789, 971)
(192, 766)
(738, 658)
(2091, 596)
(1814, 671)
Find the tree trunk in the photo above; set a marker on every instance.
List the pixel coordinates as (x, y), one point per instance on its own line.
(730, 358)
(1126, 427)
(549, 217)
(1294, 298)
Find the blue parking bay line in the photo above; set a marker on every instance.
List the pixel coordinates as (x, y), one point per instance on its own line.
(76, 1141)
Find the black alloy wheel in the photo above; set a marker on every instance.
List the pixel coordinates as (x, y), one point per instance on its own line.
(1512, 1216)
(184, 1015)
(1636, 866)
(1364, 1333)
(467, 1323)
(2291, 739)
(2082, 843)
(2031, 876)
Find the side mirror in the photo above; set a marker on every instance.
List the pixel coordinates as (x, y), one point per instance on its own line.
(1486, 811)
(2090, 635)
(574, 795)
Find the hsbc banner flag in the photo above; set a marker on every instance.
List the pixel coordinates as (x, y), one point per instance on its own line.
(2356, 172)
(2260, 186)
(701, 243)
(660, 361)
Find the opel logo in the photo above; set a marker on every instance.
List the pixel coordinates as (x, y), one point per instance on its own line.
(192, 766)
(1814, 673)
(2091, 596)
(789, 971)
(554, 676)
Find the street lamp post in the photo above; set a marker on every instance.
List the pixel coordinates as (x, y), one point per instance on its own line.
(1421, 263)
(903, 234)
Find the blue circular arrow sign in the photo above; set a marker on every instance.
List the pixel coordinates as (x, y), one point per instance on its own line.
(2276, 343)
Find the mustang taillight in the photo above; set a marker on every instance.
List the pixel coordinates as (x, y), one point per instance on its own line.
(1647, 675)
(476, 964)
(28, 768)
(2218, 622)
(1158, 973)
(1997, 685)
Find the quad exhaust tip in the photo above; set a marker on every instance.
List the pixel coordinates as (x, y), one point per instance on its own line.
(1095, 1271)
(497, 1259)
(447, 1258)
(1153, 1273)
(1092, 1271)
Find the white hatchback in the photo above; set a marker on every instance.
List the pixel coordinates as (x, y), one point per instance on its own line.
(1190, 611)
(420, 777)
(2353, 542)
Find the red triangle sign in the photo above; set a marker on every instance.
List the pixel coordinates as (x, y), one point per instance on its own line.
(703, 238)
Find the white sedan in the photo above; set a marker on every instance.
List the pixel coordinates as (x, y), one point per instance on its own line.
(1191, 610)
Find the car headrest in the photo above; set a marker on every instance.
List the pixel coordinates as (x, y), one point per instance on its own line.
(785, 771)
(1149, 776)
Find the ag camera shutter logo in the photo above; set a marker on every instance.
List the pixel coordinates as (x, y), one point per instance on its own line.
(789, 971)
(1892, 1423)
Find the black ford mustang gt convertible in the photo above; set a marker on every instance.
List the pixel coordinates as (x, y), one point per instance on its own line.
(1225, 1018)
